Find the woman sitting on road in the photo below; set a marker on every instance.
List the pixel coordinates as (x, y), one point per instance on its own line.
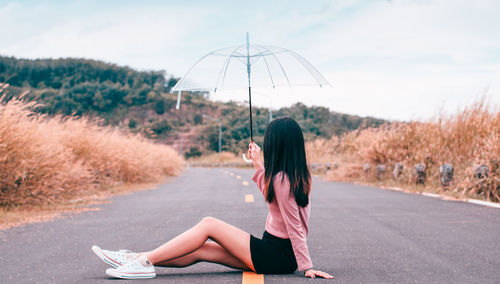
(285, 182)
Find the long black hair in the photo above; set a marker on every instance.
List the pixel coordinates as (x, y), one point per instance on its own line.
(284, 151)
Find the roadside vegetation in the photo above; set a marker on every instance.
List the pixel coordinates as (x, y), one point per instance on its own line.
(468, 140)
(47, 160)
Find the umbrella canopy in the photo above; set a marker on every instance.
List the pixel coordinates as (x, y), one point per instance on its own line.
(271, 66)
(247, 66)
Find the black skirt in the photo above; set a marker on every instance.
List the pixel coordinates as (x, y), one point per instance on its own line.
(272, 255)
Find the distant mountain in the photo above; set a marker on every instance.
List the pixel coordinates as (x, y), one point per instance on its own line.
(139, 101)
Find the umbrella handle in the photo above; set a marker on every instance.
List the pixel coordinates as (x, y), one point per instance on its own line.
(177, 106)
(246, 159)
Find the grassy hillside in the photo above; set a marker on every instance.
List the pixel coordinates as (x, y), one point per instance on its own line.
(139, 101)
(81, 86)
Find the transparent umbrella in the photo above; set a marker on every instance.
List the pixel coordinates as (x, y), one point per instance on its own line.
(246, 66)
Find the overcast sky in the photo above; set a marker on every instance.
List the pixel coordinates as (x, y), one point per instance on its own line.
(389, 59)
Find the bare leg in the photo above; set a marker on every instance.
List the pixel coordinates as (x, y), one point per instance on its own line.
(209, 252)
(235, 241)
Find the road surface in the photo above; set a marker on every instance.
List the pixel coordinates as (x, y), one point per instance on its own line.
(360, 234)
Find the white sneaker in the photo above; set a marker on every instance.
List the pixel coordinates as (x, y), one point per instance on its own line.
(137, 268)
(114, 258)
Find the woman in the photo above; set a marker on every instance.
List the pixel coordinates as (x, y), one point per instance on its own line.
(285, 182)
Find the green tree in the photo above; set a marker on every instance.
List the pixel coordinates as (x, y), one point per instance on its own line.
(197, 119)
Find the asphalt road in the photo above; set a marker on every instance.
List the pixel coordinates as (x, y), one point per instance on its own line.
(358, 233)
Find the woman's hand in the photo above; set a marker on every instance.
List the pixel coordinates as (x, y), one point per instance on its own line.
(254, 154)
(313, 273)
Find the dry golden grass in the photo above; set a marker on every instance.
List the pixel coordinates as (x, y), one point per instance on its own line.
(467, 139)
(47, 160)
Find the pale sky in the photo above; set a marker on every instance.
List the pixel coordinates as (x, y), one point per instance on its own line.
(398, 59)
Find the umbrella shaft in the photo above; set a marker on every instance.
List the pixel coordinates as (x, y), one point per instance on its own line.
(249, 86)
(250, 103)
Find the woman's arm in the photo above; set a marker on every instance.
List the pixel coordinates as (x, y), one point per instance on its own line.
(258, 177)
(290, 213)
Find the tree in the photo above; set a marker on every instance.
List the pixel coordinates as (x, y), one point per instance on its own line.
(197, 119)
(193, 152)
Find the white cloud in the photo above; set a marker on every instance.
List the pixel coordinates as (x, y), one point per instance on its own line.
(407, 59)
(397, 59)
(145, 38)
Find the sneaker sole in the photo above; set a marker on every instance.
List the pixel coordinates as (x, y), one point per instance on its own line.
(97, 250)
(125, 275)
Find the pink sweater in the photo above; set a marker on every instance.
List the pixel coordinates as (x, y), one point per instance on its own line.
(286, 219)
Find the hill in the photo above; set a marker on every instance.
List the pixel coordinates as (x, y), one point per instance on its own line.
(139, 101)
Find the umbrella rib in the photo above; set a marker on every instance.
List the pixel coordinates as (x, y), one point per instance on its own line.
(221, 49)
(260, 54)
(281, 66)
(311, 69)
(238, 54)
(225, 69)
(268, 48)
(268, 70)
(181, 81)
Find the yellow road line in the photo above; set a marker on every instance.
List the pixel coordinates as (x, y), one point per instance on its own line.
(249, 198)
(238, 177)
(252, 278)
(245, 183)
